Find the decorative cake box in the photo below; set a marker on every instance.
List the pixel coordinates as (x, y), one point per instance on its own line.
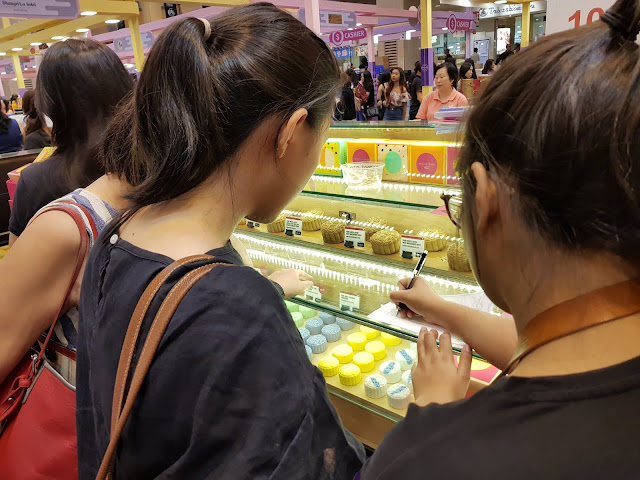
(427, 164)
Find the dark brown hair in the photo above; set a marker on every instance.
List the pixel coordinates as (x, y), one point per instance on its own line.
(452, 72)
(198, 100)
(34, 119)
(79, 84)
(572, 157)
(488, 66)
(402, 83)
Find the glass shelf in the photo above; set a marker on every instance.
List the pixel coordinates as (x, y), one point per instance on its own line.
(399, 195)
(310, 248)
(362, 319)
(409, 131)
(416, 124)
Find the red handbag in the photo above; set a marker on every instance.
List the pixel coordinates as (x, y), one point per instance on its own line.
(38, 406)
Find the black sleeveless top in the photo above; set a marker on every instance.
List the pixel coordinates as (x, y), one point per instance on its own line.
(230, 393)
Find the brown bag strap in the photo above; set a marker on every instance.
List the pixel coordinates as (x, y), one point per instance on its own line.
(156, 332)
(601, 306)
(133, 331)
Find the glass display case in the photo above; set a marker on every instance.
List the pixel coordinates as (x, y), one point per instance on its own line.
(358, 235)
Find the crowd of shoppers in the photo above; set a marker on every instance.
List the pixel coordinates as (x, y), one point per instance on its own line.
(549, 216)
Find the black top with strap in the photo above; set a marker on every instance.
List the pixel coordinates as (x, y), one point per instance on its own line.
(230, 393)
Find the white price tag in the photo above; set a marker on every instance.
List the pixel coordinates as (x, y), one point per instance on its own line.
(293, 226)
(411, 246)
(314, 293)
(252, 224)
(349, 302)
(354, 237)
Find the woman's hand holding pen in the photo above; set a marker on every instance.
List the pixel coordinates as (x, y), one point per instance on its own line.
(421, 301)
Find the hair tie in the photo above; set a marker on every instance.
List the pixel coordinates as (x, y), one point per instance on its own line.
(207, 29)
(618, 24)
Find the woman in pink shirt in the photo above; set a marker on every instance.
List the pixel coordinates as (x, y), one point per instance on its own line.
(445, 94)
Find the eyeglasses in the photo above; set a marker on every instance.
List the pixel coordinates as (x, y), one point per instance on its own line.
(453, 203)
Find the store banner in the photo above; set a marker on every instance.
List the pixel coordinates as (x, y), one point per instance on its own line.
(123, 44)
(568, 14)
(344, 53)
(67, 9)
(455, 24)
(511, 9)
(341, 36)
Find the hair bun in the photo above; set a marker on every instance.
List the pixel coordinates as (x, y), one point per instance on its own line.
(207, 29)
(620, 25)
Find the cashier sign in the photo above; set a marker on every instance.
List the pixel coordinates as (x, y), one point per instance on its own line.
(337, 38)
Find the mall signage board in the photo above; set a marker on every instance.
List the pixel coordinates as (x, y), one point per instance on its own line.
(67, 9)
(455, 24)
(509, 9)
(568, 14)
(341, 36)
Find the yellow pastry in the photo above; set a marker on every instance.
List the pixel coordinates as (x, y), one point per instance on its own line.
(350, 374)
(377, 349)
(357, 341)
(457, 257)
(344, 353)
(433, 241)
(277, 226)
(389, 340)
(364, 361)
(329, 366)
(312, 221)
(371, 333)
(333, 231)
(377, 224)
(386, 242)
(243, 221)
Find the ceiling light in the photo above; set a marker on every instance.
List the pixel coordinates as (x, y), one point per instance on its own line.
(17, 49)
(3, 73)
(358, 24)
(14, 79)
(129, 65)
(113, 20)
(88, 13)
(349, 29)
(57, 37)
(3, 53)
(445, 28)
(498, 2)
(82, 30)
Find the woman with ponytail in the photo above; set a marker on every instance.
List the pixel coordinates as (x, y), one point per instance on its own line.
(550, 213)
(230, 393)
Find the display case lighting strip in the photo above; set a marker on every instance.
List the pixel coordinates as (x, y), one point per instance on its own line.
(369, 267)
(437, 177)
(449, 238)
(394, 186)
(347, 279)
(337, 219)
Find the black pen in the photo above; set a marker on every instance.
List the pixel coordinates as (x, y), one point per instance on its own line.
(416, 273)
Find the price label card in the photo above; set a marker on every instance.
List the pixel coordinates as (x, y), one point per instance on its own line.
(411, 247)
(354, 237)
(293, 226)
(314, 293)
(349, 302)
(252, 224)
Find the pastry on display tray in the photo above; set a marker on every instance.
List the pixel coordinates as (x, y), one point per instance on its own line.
(457, 257)
(312, 220)
(277, 226)
(432, 240)
(386, 242)
(332, 232)
(377, 224)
